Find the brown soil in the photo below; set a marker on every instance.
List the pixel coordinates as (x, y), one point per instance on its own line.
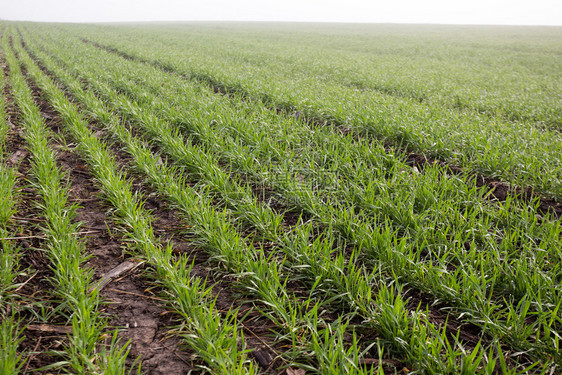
(142, 318)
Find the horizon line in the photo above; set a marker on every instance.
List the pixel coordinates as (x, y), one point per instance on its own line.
(291, 21)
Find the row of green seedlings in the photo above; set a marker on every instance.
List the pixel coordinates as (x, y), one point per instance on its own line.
(214, 338)
(515, 276)
(86, 351)
(10, 331)
(298, 320)
(346, 282)
(474, 141)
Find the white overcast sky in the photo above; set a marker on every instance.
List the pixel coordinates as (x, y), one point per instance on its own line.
(510, 12)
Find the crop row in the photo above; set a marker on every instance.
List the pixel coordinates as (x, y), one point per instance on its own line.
(421, 271)
(9, 328)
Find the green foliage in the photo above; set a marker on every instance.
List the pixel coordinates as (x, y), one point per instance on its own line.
(370, 226)
(10, 338)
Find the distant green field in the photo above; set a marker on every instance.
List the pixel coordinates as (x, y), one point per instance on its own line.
(343, 199)
(488, 98)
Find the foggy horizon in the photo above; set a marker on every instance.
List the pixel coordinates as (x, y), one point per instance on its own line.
(439, 12)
